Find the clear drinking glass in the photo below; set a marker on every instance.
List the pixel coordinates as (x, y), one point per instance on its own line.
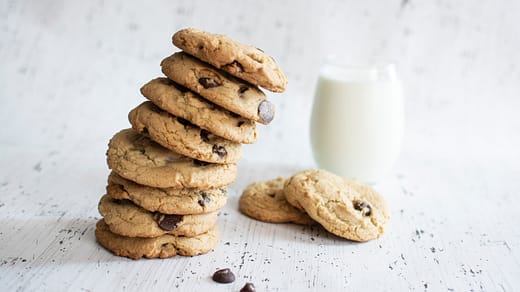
(357, 120)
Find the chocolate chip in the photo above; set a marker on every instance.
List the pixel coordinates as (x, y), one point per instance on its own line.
(144, 130)
(142, 151)
(242, 89)
(208, 82)
(204, 198)
(266, 111)
(200, 163)
(204, 136)
(201, 47)
(224, 276)
(364, 207)
(248, 287)
(234, 115)
(235, 66)
(219, 150)
(240, 123)
(184, 122)
(166, 221)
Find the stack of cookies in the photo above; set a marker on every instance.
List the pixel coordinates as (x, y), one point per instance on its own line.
(344, 207)
(170, 171)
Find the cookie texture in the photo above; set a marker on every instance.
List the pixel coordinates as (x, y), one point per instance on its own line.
(183, 103)
(344, 207)
(167, 200)
(138, 158)
(265, 201)
(243, 61)
(125, 218)
(219, 87)
(164, 246)
(181, 136)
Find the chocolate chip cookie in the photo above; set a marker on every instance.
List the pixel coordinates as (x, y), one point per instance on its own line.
(138, 158)
(344, 207)
(243, 61)
(164, 246)
(181, 136)
(125, 218)
(167, 200)
(219, 87)
(183, 103)
(265, 201)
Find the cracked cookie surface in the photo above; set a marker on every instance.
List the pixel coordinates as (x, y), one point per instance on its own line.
(127, 219)
(243, 61)
(181, 136)
(164, 246)
(167, 200)
(235, 95)
(265, 201)
(188, 105)
(346, 208)
(138, 158)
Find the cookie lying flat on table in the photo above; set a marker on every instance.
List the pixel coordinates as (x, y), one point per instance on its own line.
(181, 136)
(265, 201)
(125, 218)
(188, 105)
(219, 87)
(164, 246)
(344, 207)
(167, 200)
(243, 61)
(138, 158)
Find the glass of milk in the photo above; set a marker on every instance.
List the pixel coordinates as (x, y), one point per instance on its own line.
(357, 120)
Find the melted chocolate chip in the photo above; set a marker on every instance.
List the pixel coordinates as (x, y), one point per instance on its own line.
(144, 130)
(235, 66)
(208, 82)
(266, 111)
(167, 222)
(240, 123)
(219, 150)
(224, 276)
(204, 136)
(200, 163)
(142, 151)
(248, 287)
(204, 199)
(184, 122)
(242, 89)
(234, 115)
(364, 207)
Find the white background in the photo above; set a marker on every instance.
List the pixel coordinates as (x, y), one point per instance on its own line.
(71, 70)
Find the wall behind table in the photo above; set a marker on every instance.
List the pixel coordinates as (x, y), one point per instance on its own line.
(71, 70)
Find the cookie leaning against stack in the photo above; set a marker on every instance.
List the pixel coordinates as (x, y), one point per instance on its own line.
(346, 208)
(170, 171)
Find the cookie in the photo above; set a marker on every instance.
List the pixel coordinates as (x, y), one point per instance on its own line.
(138, 158)
(265, 201)
(188, 105)
(243, 61)
(219, 87)
(344, 207)
(167, 200)
(181, 136)
(164, 246)
(125, 218)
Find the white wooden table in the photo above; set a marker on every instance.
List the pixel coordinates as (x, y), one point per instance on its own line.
(71, 70)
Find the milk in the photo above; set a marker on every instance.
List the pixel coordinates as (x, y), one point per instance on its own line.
(357, 121)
